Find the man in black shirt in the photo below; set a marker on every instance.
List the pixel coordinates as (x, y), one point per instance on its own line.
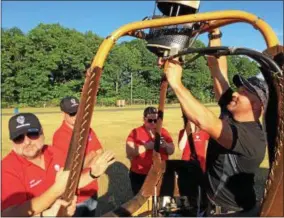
(237, 141)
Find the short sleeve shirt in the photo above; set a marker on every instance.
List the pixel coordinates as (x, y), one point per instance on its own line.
(142, 163)
(22, 180)
(200, 139)
(61, 140)
(238, 164)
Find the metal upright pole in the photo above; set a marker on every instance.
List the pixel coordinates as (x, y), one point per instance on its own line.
(131, 84)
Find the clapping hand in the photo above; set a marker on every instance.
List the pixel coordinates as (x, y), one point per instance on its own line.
(149, 145)
(101, 162)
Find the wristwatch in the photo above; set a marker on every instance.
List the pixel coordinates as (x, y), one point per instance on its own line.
(215, 36)
(93, 176)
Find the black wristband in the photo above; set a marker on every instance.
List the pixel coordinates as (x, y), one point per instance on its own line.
(91, 175)
(215, 36)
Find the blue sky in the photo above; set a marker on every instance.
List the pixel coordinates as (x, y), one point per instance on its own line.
(103, 17)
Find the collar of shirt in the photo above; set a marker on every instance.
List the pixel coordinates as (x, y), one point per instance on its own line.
(48, 156)
(148, 133)
(65, 126)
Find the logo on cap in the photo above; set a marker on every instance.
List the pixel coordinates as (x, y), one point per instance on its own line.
(21, 119)
(73, 102)
(21, 122)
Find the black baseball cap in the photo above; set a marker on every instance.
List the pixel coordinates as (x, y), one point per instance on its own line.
(23, 123)
(69, 104)
(150, 110)
(255, 85)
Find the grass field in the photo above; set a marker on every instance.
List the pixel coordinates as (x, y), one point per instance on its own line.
(112, 126)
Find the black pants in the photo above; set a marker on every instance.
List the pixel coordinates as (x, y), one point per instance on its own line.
(137, 181)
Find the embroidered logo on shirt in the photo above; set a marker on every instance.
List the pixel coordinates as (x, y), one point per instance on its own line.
(197, 138)
(90, 138)
(56, 167)
(34, 182)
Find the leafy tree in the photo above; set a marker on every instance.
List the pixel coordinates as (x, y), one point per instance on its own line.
(13, 49)
(50, 62)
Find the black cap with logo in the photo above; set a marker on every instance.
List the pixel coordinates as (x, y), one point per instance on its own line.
(23, 123)
(255, 85)
(69, 104)
(150, 110)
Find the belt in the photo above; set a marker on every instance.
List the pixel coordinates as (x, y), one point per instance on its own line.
(217, 210)
(213, 208)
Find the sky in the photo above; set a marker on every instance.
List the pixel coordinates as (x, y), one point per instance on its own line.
(103, 17)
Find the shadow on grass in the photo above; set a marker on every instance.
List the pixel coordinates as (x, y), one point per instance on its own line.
(118, 191)
(119, 187)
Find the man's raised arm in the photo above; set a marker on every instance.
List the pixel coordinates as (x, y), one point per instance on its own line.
(218, 66)
(197, 112)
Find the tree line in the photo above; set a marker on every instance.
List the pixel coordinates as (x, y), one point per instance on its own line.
(49, 62)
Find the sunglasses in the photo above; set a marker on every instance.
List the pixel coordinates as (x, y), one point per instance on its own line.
(72, 114)
(152, 120)
(31, 135)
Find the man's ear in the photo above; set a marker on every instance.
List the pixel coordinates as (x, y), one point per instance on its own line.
(64, 115)
(257, 106)
(41, 131)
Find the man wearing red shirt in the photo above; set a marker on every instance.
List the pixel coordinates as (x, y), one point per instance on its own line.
(200, 139)
(139, 148)
(87, 196)
(32, 176)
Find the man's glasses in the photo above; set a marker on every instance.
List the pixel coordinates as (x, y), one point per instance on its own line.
(72, 114)
(31, 135)
(152, 120)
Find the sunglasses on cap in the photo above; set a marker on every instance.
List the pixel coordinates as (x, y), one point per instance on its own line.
(152, 120)
(73, 114)
(31, 135)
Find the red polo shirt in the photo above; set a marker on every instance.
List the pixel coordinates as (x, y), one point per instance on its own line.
(199, 139)
(61, 140)
(141, 164)
(22, 180)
